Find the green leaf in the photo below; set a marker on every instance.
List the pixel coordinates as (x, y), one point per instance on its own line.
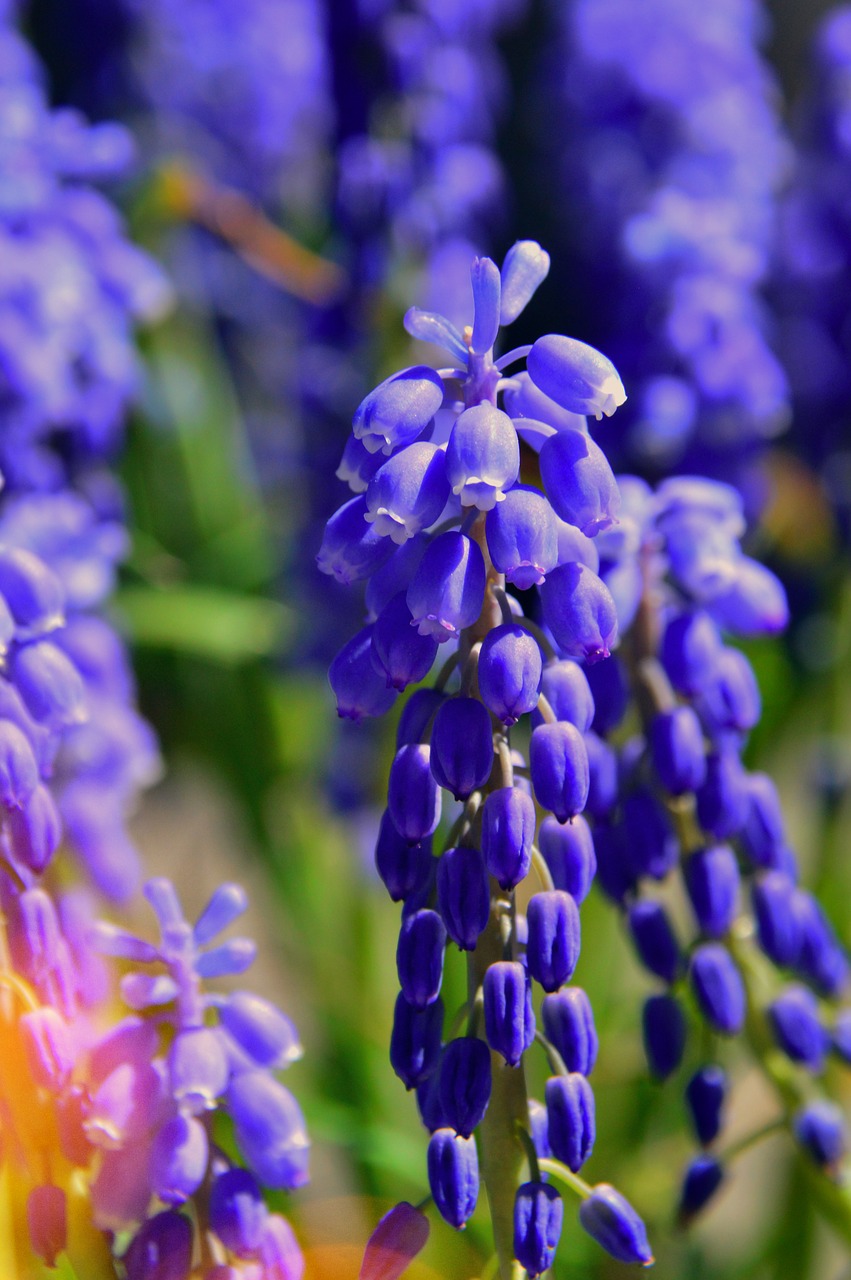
(216, 624)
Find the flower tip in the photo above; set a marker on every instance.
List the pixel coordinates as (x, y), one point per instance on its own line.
(398, 1238)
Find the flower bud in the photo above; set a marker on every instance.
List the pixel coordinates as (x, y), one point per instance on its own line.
(821, 959)
(510, 669)
(820, 1129)
(569, 1026)
(691, 647)
(664, 1027)
(237, 1211)
(654, 939)
(565, 687)
(179, 1156)
(706, 1092)
(359, 689)
(508, 830)
(554, 938)
(712, 879)
(676, 745)
(270, 1129)
(778, 925)
(485, 279)
(399, 1237)
(568, 850)
(763, 832)
(398, 410)
(576, 376)
(47, 1222)
(402, 866)
(482, 456)
(522, 537)
(701, 1180)
(718, 986)
(654, 849)
(558, 763)
(538, 1213)
(794, 1018)
(415, 1040)
(509, 1017)
(453, 1175)
(610, 689)
(351, 549)
(579, 481)
(570, 1119)
(48, 1046)
(465, 1083)
(419, 957)
(413, 797)
(462, 746)
(266, 1034)
(603, 780)
(580, 612)
(611, 1220)
(197, 1069)
(49, 683)
(416, 715)
(161, 1249)
(525, 266)
(408, 492)
(397, 651)
(722, 798)
(448, 587)
(463, 895)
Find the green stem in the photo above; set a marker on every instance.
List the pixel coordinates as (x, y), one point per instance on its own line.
(751, 1139)
(560, 1171)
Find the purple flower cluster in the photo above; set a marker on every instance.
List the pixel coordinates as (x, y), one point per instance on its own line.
(437, 530)
(675, 145)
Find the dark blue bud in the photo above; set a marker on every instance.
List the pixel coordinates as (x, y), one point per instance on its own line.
(730, 699)
(508, 830)
(554, 938)
(161, 1249)
(402, 866)
(794, 1018)
(270, 1129)
(413, 796)
(463, 895)
(19, 772)
(399, 653)
(32, 591)
(398, 409)
(524, 400)
(417, 715)
(422, 895)
(576, 376)
(654, 939)
(653, 845)
(485, 279)
(610, 690)
(538, 1129)
(580, 612)
(664, 1028)
(49, 684)
(419, 957)
(722, 800)
(351, 549)
(569, 1026)
(565, 687)
(465, 1083)
(510, 669)
(482, 456)
(610, 1219)
(558, 763)
(676, 745)
(525, 266)
(820, 1129)
(763, 833)
(237, 1211)
(408, 493)
(415, 1041)
(719, 989)
(701, 1180)
(712, 879)
(178, 1161)
(357, 465)
(753, 602)
(266, 1034)
(570, 1119)
(522, 537)
(448, 587)
(538, 1214)
(616, 874)
(462, 746)
(359, 689)
(579, 482)
(691, 647)
(568, 850)
(453, 1175)
(428, 1101)
(394, 575)
(509, 1018)
(602, 776)
(778, 926)
(821, 959)
(706, 1093)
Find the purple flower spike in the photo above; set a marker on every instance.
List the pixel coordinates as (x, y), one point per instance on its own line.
(569, 1026)
(161, 1249)
(448, 587)
(482, 456)
(351, 549)
(408, 493)
(399, 1237)
(178, 1159)
(580, 612)
(399, 653)
(463, 895)
(413, 796)
(453, 1176)
(565, 687)
(522, 537)
(570, 1119)
(465, 1083)
(558, 763)
(270, 1129)
(266, 1034)
(525, 267)
(509, 1016)
(576, 376)
(462, 751)
(610, 1219)
(510, 672)
(538, 1214)
(486, 297)
(554, 938)
(508, 830)
(47, 1222)
(359, 689)
(579, 482)
(718, 987)
(419, 957)
(568, 850)
(415, 1041)
(238, 1214)
(398, 410)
